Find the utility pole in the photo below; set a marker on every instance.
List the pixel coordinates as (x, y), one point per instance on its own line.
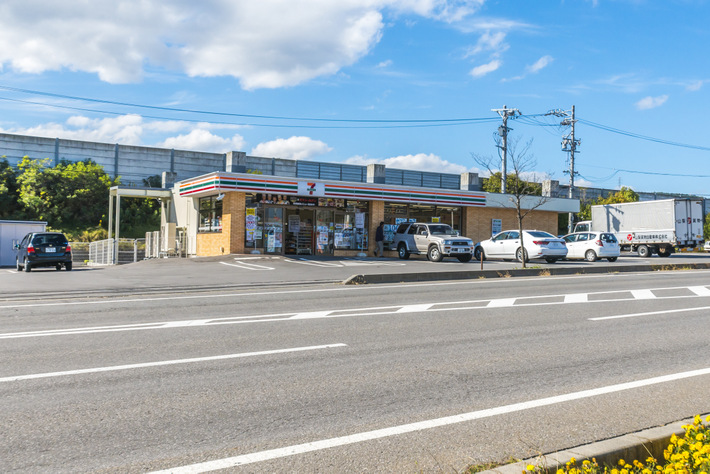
(503, 130)
(569, 145)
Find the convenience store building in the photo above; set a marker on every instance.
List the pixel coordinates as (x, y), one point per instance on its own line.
(238, 212)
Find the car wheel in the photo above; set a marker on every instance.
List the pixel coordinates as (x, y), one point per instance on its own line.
(479, 254)
(465, 258)
(550, 259)
(590, 256)
(402, 252)
(67, 266)
(434, 254)
(612, 259)
(27, 266)
(643, 251)
(519, 255)
(18, 267)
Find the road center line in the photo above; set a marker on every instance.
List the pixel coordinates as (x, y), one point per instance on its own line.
(165, 362)
(423, 425)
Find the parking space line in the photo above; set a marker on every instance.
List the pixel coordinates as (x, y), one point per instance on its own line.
(247, 266)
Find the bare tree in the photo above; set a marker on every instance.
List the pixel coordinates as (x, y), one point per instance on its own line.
(525, 196)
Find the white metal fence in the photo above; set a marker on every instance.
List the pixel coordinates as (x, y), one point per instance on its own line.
(109, 251)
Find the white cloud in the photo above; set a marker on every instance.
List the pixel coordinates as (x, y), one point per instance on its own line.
(482, 70)
(263, 44)
(541, 63)
(203, 140)
(695, 86)
(420, 161)
(651, 102)
(130, 130)
(490, 42)
(126, 129)
(294, 148)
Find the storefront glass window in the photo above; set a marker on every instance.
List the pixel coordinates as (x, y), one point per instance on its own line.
(210, 214)
(273, 229)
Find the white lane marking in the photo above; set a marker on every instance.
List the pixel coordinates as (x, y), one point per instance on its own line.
(643, 294)
(336, 313)
(502, 302)
(415, 308)
(247, 266)
(368, 288)
(311, 315)
(649, 313)
(424, 425)
(165, 362)
(577, 298)
(700, 290)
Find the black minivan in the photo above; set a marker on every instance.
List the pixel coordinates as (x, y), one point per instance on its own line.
(43, 249)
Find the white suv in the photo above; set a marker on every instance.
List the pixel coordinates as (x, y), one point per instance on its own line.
(436, 241)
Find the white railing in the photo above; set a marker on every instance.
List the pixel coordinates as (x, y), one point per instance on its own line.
(109, 252)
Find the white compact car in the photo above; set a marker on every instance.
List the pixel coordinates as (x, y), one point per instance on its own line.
(592, 245)
(506, 245)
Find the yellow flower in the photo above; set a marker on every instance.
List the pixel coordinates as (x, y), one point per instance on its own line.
(530, 467)
(622, 462)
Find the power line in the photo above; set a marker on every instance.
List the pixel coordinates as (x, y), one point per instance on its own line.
(267, 125)
(229, 114)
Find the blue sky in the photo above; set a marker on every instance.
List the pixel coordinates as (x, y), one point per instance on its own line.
(242, 75)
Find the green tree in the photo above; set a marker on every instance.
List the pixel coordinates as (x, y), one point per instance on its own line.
(10, 208)
(68, 195)
(623, 195)
(492, 184)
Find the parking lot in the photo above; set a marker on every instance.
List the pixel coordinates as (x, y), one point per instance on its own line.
(229, 271)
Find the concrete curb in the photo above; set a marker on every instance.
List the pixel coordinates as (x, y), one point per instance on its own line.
(633, 446)
(363, 279)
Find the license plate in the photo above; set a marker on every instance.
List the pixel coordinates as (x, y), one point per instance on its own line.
(50, 250)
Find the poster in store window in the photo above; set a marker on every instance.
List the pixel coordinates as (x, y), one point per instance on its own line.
(496, 226)
(360, 220)
(251, 223)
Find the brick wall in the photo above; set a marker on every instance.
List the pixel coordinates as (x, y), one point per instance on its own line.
(478, 221)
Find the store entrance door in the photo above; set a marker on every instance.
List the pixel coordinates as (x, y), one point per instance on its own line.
(299, 234)
(325, 228)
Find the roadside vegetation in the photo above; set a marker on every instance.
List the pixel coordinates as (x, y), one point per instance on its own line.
(688, 454)
(72, 197)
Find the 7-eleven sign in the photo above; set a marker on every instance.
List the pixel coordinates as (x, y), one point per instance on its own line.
(311, 189)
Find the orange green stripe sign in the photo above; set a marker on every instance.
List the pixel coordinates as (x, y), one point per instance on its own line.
(225, 182)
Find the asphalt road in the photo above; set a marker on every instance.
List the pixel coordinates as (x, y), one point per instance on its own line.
(282, 377)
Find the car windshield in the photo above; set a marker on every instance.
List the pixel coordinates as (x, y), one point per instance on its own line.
(49, 239)
(441, 229)
(610, 238)
(539, 233)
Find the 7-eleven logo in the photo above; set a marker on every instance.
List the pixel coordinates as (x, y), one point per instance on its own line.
(311, 189)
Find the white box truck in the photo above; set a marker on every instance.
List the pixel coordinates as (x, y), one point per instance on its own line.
(650, 227)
